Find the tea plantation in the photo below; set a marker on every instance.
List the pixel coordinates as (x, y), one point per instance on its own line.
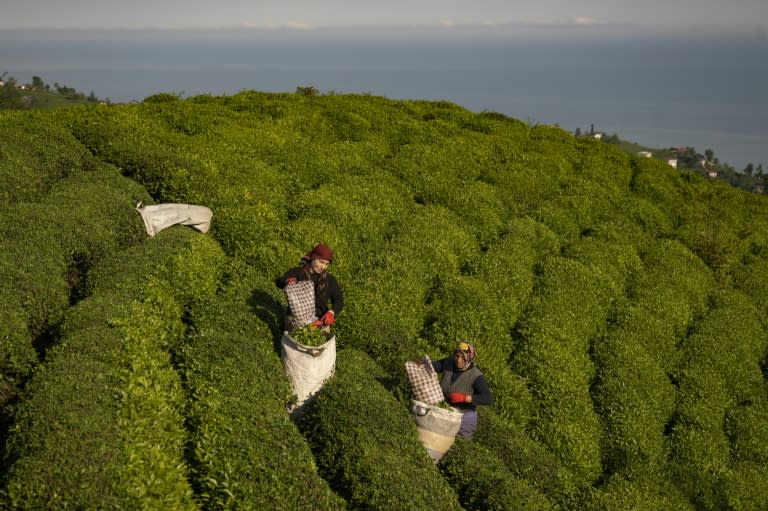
(618, 307)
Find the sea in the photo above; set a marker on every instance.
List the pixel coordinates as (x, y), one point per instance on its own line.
(699, 91)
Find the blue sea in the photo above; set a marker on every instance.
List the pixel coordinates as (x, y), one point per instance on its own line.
(692, 91)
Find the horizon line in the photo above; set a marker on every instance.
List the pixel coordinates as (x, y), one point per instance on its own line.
(581, 23)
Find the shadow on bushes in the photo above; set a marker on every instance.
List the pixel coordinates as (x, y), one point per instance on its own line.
(271, 312)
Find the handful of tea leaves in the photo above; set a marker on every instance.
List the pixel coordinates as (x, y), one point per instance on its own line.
(310, 335)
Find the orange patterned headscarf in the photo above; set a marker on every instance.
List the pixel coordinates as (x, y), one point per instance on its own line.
(467, 349)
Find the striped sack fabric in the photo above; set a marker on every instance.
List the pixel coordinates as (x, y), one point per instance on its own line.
(301, 301)
(423, 379)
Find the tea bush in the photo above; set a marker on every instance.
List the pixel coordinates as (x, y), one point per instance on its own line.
(745, 426)
(604, 164)
(732, 340)
(482, 482)
(744, 486)
(246, 453)
(17, 353)
(751, 277)
(641, 494)
(34, 154)
(672, 289)
(63, 450)
(80, 219)
(112, 381)
(553, 356)
(365, 442)
(525, 458)
(635, 401)
(34, 269)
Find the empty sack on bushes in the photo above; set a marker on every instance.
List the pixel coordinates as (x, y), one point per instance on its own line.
(161, 216)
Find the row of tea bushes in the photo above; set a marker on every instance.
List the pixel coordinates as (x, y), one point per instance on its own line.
(712, 219)
(48, 247)
(366, 445)
(633, 392)
(35, 153)
(720, 421)
(568, 308)
(245, 451)
(483, 483)
(101, 424)
(526, 459)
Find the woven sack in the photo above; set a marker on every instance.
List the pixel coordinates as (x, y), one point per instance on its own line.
(424, 383)
(437, 428)
(301, 302)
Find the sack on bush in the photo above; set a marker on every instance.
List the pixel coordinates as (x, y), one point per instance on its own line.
(437, 428)
(307, 367)
(423, 379)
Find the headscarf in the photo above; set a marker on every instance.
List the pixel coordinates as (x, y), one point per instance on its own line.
(321, 251)
(467, 349)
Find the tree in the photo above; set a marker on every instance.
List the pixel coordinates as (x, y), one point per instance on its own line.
(38, 83)
(749, 169)
(307, 91)
(10, 98)
(709, 154)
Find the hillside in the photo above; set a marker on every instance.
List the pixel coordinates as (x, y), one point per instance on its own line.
(618, 306)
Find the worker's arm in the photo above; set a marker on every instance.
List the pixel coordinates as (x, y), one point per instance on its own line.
(481, 393)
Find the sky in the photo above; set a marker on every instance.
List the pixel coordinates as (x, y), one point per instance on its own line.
(317, 14)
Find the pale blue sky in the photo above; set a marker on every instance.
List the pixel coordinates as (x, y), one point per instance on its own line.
(307, 14)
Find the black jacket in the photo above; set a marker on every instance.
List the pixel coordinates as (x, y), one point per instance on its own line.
(327, 291)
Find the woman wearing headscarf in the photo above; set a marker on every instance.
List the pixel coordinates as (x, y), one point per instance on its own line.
(464, 386)
(328, 298)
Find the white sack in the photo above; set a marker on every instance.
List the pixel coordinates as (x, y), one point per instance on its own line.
(161, 216)
(437, 427)
(308, 367)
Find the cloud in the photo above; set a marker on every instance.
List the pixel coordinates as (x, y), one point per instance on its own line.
(288, 25)
(586, 21)
(575, 21)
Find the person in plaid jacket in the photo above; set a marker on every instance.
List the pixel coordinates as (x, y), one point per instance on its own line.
(329, 300)
(464, 386)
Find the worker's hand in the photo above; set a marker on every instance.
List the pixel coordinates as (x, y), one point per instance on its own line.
(329, 318)
(290, 280)
(317, 323)
(457, 398)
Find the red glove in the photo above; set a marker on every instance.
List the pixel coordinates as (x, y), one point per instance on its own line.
(318, 323)
(329, 318)
(290, 280)
(457, 398)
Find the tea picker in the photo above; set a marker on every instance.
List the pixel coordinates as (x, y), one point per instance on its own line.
(308, 348)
